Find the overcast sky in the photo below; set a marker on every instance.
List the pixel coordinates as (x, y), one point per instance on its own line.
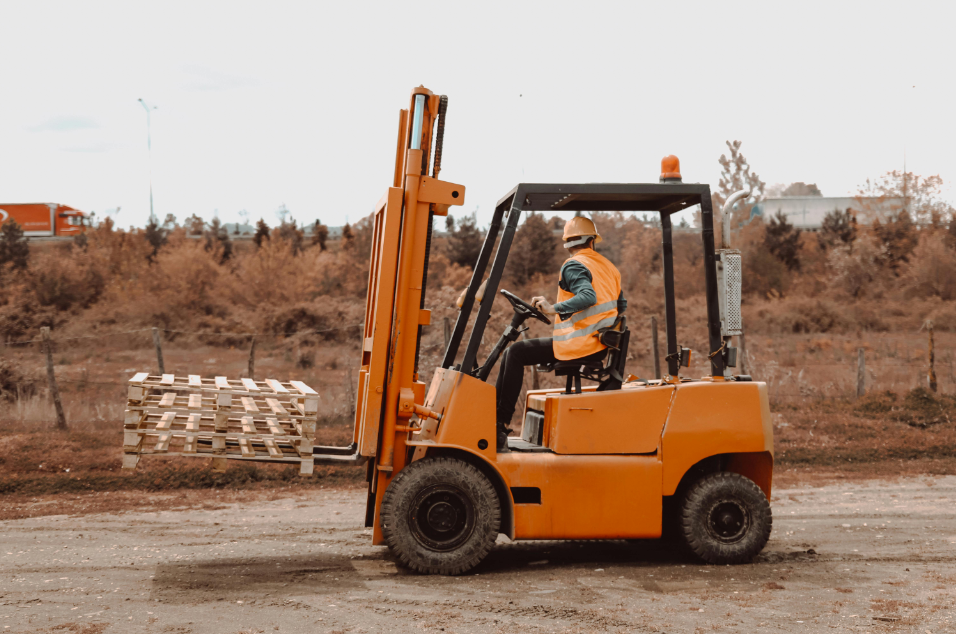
(264, 104)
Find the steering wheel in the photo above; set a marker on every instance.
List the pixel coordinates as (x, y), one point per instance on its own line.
(524, 308)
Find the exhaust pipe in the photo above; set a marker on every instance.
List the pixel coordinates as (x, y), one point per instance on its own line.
(725, 216)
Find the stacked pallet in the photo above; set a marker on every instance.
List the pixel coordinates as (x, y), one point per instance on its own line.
(220, 419)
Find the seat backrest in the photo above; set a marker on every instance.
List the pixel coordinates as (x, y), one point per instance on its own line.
(616, 338)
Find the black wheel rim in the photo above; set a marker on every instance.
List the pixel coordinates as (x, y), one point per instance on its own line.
(728, 521)
(442, 517)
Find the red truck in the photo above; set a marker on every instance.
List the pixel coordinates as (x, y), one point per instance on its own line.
(45, 220)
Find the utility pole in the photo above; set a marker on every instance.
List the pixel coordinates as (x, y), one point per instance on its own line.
(149, 150)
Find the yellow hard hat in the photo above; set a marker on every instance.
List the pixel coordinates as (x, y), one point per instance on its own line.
(580, 227)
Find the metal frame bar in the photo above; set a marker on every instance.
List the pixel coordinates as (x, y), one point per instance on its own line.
(710, 279)
(468, 303)
(670, 312)
(469, 362)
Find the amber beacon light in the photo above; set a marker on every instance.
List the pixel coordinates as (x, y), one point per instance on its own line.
(670, 169)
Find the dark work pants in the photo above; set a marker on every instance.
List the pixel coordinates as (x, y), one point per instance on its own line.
(511, 372)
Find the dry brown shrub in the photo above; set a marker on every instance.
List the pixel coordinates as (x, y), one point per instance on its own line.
(810, 316)
(932, 268)
(14, 383)
(855, 270)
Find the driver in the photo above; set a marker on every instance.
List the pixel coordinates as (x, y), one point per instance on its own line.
(589, 298)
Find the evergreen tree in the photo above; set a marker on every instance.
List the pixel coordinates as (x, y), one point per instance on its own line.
(13, 245)
(218, 240)
(838, 229)
(533, 251)
(782, 239)
(320, 235)
(262, 233)
(464, 240)
(156, 235)
(898, 237)
(348, 237)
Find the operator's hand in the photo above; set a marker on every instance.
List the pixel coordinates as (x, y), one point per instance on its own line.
(543, 305)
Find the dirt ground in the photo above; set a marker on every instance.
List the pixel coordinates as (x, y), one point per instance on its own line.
(865, 556)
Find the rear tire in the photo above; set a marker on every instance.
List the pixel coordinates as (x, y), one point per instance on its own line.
(726, 519)
(440, 516)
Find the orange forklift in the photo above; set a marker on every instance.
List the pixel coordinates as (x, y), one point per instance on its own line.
(621, 458)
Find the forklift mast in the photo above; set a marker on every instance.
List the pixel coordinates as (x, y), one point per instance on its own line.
(389, 390)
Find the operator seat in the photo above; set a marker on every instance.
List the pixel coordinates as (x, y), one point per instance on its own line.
(609, 373)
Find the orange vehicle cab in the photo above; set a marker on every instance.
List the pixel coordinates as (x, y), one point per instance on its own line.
(45, 220)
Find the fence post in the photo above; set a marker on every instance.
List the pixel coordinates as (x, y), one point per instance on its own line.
(743, 354)
(655, 352)
(51, 379)
(159, 350)
(932, 357)
(252, 359)
(446, 328)
(860, 373)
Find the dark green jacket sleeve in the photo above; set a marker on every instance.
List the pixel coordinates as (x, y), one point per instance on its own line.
(576, 278)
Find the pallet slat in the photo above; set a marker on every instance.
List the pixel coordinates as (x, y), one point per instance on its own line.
(167, 421)
(303, 388)
(276, 386)
(250, 385)
(276, 406)
(274, 451)
(249, 404)
(246, 448)
(163, 443)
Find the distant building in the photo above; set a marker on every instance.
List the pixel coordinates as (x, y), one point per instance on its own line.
(807, 212)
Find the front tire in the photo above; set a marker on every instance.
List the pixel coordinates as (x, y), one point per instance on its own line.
(726, 519)
(440, 516)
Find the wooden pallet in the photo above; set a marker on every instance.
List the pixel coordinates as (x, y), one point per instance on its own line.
(220, 419)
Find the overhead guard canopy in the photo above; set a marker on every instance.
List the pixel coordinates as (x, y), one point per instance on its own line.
(665, 198)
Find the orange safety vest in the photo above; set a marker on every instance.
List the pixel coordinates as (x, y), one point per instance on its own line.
(578, 336)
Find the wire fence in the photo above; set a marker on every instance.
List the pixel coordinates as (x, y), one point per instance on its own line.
(879, 365)
(301, 333)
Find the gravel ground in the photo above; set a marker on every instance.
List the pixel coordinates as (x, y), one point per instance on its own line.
(872, 556)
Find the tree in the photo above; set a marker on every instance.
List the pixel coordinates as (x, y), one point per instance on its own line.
(262, 233)
(320, 234)
(156, 235)
(893, 192)
(736, 174)
(533, 251)
(289, 231)
(798, 188)
(838, 228)
(348, 237)
(782, 239)
(218, 241)
(195, 226)
(898, 237)
(464, 240)
(13, 246)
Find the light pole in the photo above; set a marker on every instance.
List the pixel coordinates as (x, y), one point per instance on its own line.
(149, 150)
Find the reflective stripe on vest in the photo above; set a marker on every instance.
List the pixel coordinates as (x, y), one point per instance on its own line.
(576, 336)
